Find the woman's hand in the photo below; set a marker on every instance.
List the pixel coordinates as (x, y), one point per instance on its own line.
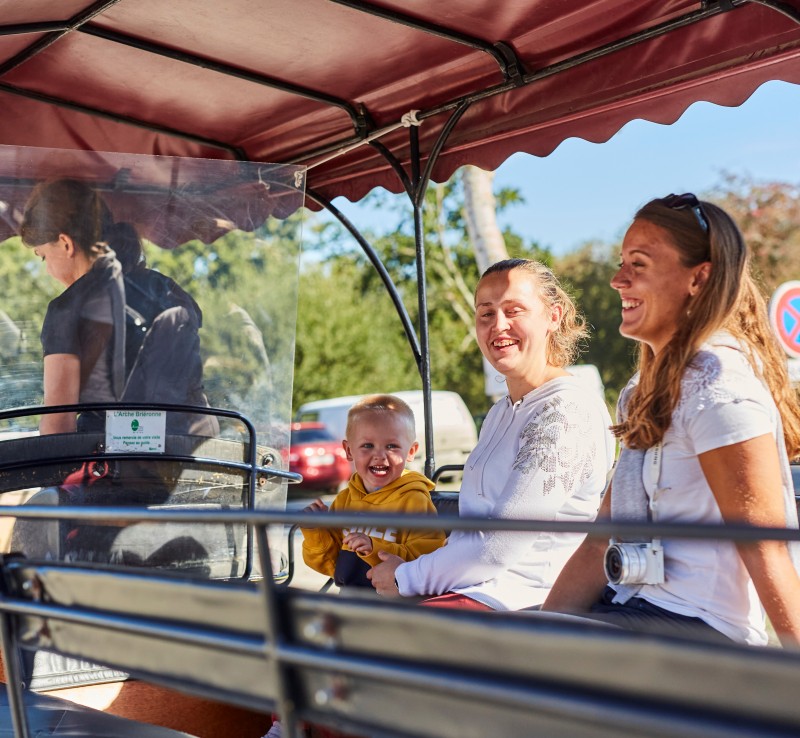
(361, 543)
(382, 576)
(583, 578)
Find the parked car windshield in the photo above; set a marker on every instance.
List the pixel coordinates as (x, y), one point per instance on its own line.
(311, 435)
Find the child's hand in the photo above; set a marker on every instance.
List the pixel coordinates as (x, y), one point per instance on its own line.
(316, 506)
(361, 543)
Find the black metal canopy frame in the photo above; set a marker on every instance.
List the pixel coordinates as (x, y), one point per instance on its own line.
(416, 183)
(511, 67)
(364, 131)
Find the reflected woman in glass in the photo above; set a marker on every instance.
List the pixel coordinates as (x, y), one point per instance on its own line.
(69, 227)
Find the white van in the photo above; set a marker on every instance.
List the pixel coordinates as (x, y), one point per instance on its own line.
(454, 433)
(590, 376)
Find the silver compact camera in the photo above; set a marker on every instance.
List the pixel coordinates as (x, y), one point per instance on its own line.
(634, 563)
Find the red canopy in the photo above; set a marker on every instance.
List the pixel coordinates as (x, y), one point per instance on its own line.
(293, 81)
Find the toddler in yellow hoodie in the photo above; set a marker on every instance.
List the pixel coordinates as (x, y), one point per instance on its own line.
(380, 441)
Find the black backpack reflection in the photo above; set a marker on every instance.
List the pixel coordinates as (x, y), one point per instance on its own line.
(162, 349)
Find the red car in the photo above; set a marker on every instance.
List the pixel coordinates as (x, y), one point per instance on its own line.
(318, 456)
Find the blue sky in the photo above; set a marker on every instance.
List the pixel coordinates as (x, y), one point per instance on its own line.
(585, 191)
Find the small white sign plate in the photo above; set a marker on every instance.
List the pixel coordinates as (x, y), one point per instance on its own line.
(136, 430)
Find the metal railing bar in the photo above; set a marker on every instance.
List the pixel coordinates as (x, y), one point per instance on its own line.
(144, 625)
(251, 465)
(444, 469)
(243, 466)
(29, 410)
(267, 517)
(596, 707)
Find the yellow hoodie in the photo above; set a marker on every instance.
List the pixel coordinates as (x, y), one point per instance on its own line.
(410, 493)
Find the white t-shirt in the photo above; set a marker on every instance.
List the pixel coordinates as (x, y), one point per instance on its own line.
(545, 457)
(722, 402)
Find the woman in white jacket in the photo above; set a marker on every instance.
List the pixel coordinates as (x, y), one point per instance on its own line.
(544, 453)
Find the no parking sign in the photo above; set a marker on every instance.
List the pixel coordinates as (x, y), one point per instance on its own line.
(784, 315)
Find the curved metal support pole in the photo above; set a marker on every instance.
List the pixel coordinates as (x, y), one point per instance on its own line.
(419, 186)
(395, 164)
(408, 327)
(433, 157)
(415, 186)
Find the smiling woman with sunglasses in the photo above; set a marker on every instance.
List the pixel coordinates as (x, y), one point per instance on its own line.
(707, 427)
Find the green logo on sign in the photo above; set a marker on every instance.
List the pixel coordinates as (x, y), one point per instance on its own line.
(134, 425)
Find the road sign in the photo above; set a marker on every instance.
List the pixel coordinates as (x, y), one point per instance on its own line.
(784, 315)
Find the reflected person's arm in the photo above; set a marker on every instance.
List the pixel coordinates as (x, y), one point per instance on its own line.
(62, 381)
(746, 481)
(582, 579)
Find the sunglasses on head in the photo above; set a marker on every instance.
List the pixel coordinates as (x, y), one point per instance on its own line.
(688, 201)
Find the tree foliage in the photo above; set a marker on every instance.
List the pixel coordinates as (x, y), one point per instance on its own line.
(451, 274)
(768, 214)
(348, 337)
(587, 273)
(26, 288)
(246, 286)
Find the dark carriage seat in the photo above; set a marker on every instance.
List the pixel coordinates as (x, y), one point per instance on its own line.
(446, 503)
